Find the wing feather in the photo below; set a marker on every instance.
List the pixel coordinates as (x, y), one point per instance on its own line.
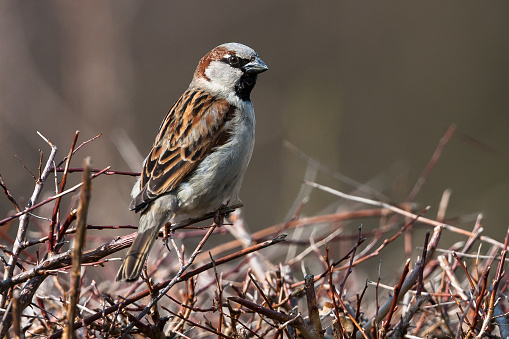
(190, 131)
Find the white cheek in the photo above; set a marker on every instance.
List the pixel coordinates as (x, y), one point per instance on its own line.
(222, 76)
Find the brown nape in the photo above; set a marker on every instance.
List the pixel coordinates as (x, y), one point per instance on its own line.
(216, 54)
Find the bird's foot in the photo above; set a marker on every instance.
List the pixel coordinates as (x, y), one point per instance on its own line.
(219, 217)
(167, 235)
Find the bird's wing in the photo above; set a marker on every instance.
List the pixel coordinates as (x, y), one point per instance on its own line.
(190, 131)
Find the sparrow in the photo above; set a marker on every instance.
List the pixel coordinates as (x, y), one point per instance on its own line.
(202, 150)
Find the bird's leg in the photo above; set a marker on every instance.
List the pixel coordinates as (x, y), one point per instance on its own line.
(167, 235)
(218, 217)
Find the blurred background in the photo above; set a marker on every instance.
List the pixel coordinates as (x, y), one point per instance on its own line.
(365, 88)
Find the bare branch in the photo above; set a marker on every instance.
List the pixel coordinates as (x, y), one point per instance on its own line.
(79, 243)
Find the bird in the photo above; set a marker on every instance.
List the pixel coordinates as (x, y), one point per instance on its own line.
(201, 152)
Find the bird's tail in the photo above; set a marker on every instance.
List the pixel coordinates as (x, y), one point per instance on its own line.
(151, 221)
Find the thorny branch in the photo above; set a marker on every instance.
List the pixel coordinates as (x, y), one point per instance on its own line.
(183, 277)
(262, 298)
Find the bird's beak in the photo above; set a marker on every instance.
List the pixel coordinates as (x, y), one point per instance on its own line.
(256, 66)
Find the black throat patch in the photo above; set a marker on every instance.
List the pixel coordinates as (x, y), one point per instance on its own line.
(245, 85)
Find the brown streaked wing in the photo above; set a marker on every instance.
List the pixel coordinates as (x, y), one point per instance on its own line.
(194, 125)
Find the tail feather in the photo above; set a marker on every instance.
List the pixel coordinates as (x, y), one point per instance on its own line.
(151, 222)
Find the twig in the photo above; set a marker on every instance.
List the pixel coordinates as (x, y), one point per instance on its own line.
(401, 330)
(314, 314)
(56, 208)
(25, 166)
(59, 261)
(458, 261)
(369, 256)
(333, 290)
(180, 276)
(198, 325)
(360, 240)
(431, 164)
(502, 320)
(94, 170)
(70, 218)
(219, 296)
(16, 315)
(442, 206)
(25, 218)
(305, 330)
(444, 264)
(494, 291)
(404, 213)
(329, 238)
(409, 281)
(64, 227)
(270, 232)
(472, 299)
(420, 282)
(9, 195)
(470, 241)
(77, 148)
(79, 243)
(222, 211)
(31, 208)
(394, 304)
(174, 280)
(164, 284)
(255, 283)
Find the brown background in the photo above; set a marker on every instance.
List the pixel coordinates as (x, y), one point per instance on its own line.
(367, 88)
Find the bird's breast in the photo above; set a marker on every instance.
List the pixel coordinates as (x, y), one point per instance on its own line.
(217, 179)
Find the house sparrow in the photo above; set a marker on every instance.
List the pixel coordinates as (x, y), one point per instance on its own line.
(202, 150)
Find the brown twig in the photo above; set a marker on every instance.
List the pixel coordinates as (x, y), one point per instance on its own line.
(219, 295)
(433, 161)
(493, 295)
(8, 194)
(16, 315)
(366, 257)
(394, 304)
(208, 329)
(460, 263)
(409, 281)
(471, 240)
(404, 213)
(56, 208)
(296, 321)
(476, 292)
(65, 225)
(164, 284)
(25, 167)
(420, 282)
(309, 221)
(332, 290)
(94, 170)
(314, 314)
(175, 279)
(360, 240)
(77, 149)
(79, 243)
(33, 207)
(260, 290)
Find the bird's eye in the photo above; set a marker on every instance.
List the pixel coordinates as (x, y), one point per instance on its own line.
(233, 60)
